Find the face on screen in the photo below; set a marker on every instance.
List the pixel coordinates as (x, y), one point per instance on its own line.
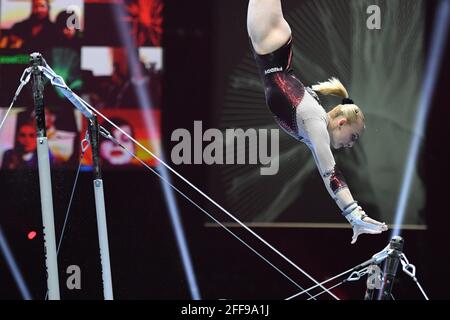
(26, 138)
(40, 9)
(113, 153)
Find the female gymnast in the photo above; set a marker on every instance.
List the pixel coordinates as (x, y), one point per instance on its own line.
(298, 111)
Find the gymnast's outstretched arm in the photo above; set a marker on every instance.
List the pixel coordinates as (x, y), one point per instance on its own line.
(335, 183)
(332, 178)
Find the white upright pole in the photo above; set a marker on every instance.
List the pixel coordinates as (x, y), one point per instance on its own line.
(101, 211)
(103, 239)
(45, 181)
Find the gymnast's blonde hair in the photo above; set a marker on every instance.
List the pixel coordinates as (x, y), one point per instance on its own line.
(334, 87)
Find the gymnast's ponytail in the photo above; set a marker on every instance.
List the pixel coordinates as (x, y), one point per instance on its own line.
(331, 87)
(347, 108)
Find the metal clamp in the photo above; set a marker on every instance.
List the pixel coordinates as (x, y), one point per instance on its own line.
(85, 142)
(356, 275)
(55, 80)
(24, 79)
(380, 256)
(408, 268)
(105, 133)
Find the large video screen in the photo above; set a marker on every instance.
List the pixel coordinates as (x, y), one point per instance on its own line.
(108, 52)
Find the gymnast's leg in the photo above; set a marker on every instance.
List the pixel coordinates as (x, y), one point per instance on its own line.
(267, 28)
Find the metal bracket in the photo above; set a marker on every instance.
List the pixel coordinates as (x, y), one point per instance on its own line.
(408, 268)
(85, 142)
(356, 275)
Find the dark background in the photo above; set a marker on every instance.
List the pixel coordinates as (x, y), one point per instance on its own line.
(144, 255)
